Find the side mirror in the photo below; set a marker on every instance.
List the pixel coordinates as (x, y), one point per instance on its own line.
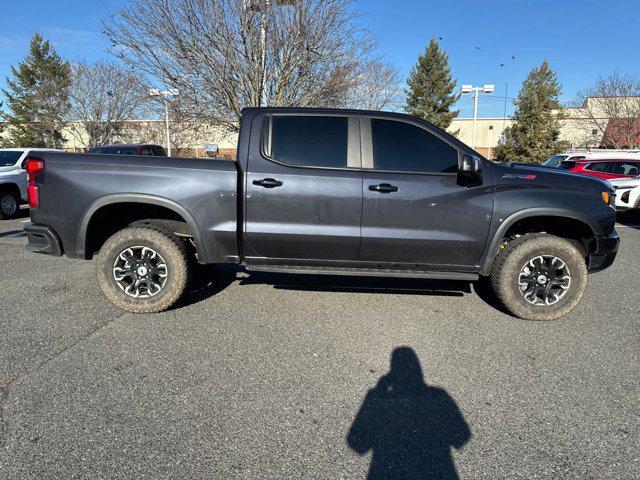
(469, 171)
(469, 164)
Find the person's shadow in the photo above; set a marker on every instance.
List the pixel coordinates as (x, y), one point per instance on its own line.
(408, 426)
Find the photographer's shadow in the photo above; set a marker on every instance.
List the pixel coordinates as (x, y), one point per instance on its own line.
(408, 426)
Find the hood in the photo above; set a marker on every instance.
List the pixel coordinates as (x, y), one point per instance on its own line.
(625, 182)
(553, 176)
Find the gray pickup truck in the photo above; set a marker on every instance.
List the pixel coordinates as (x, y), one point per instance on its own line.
(320, 191)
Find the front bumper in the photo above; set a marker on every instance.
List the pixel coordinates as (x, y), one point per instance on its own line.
(43, 240)
(605, 251)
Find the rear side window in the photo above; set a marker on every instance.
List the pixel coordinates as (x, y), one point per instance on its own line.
(405, 147)
(115, 150)
(9, 158)
(159, 151)
(309, 141)
(146, 151)
(624, 168)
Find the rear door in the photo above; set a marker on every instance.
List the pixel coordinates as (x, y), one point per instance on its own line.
(415, 215)
(303, 200)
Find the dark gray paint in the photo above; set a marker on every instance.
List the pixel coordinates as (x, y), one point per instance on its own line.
(317, 217)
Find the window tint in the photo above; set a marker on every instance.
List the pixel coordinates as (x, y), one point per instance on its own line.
(146, 151)
(159, 151)
(624, 168)
(597, 167)
(115, 150)
(405, 147)
(8, 158)
(310, 141)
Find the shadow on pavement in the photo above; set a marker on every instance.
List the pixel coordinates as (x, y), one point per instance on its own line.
(631, 219)
(336, 283)
(210, 280)
(407, 425)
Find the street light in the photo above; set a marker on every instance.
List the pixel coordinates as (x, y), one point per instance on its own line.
(262, 7)
(468, 89)
(166, 95)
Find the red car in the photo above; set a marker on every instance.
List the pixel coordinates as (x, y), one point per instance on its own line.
(605, 168)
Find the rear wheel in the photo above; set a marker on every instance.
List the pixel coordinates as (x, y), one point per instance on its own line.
(539, 277)
(143, 269)
(9, 205)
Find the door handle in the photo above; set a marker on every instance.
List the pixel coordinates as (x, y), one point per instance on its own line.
(268, 183)
(383, 188)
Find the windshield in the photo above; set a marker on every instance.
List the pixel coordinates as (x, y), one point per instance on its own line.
(9, 157)
(554, 161)
(117, 150)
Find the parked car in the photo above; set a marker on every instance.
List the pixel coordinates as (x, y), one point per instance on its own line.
(627, 193)
(605, 166)
(322, 191)
(130, 149)
(13, 179)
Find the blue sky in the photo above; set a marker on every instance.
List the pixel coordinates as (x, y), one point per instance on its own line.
(582, 39)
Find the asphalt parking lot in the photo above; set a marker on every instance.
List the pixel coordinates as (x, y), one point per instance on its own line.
(263, 376)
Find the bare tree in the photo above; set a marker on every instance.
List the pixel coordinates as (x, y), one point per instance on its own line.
(376, 87)
(103, 96)
(224, 55)
(609, 113)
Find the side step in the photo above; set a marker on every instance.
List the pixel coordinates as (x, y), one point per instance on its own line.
(361, 272)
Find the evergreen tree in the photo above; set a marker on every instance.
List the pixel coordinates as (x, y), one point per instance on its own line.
(37, 98)
(430, 94)
(535, 132)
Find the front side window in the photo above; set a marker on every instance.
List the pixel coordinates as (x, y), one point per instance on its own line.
(146, 151)
(9, 157)
(405, 147)
(597, 167)
(309, 141)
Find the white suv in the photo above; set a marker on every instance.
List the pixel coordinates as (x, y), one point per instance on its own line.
(627, 193)
(13, 179)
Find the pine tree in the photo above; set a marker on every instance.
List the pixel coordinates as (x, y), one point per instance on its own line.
(430, 94)
(535, 132)
(37, 98)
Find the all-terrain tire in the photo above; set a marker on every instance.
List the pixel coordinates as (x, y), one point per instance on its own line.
(509, 264)
(9, 205)
(167, 245)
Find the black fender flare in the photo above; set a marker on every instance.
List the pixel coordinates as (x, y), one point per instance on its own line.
(141, 198)
(486, 262)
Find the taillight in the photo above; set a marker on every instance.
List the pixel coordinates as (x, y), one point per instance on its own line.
(33, 166)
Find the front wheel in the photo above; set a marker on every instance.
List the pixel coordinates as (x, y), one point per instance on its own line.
(143, 269)
(539, 277)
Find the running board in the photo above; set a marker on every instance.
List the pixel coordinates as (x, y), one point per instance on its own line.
(369, 272)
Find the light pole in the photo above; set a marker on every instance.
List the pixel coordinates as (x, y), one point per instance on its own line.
(263, 6)
(166, 95)
(476, 90)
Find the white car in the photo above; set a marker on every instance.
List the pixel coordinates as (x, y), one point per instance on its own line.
(13, 179)
(627, 193)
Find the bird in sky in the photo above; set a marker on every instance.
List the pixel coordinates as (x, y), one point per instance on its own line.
(478, 48)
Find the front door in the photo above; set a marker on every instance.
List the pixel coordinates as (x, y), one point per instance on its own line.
(415, 215)
(303, 196)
